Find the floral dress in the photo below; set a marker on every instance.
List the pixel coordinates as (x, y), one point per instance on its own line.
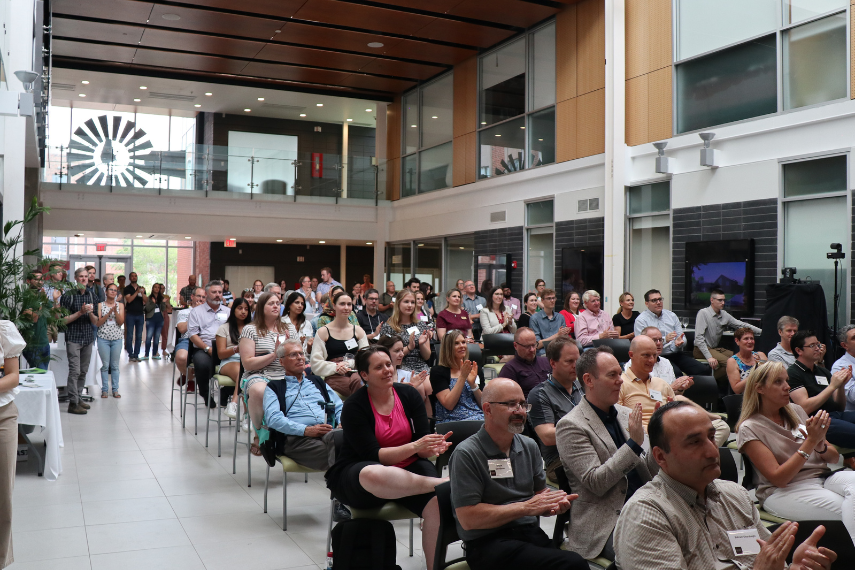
(413, 361)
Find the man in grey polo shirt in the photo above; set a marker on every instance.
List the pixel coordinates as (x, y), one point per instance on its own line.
(498, 489)
(472, 301)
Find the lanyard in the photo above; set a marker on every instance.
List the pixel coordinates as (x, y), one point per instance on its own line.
(562, 392)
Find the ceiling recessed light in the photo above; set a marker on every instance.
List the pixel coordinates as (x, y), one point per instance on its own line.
(247, 110)
(540, 140)
(483, 122)
(375, 45)
(84, 82)
(302, 114)
(277, 31)
(461, 247)
(171, 17)
(279, 240)
(498, 135)
(197, 105)
(349, 120)
(208, 94)
(319, 104)
(79, 234)
(139, 236)
(81, 94)
(369, 243)
(412, 126)
(261, 98)
(137, 100)
(187, 237)
(143, 87)
(368, 110)
(322, 241)
(434, 117)
(522, 127)
(421, 245)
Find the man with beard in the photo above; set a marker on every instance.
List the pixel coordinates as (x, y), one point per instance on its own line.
(498, 489)
(134, 317)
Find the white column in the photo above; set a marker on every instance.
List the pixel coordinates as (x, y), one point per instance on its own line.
(344, 158)
(380, 248)
(343, 262)
(14, 141)
(616, 154)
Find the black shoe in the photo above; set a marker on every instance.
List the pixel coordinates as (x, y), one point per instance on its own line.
(267, 453)
(84, 405)
(340, 512)
(75, 409)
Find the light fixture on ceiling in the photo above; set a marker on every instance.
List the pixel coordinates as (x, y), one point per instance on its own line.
(302, 114)
(461, 247)
(413, 126)
(434, 117)
(522, 127)
(541, 140)
(349, 120)
(483, 122)
(279, 240)
(78, 235)
(81, 94)
(663, 163)
(197, 105)
(277, 31)
(187, 237)
(261, 98)
(421, 245)
(143, 87)
(139, 236)
(247, 110)
(375, 45)
(208, 94)
(709, 156)
(84, 82)
(171, 17)
(322, 241)
(368, 110)
(498, 135)
(369, 243)
(319, 104)
(137, 100)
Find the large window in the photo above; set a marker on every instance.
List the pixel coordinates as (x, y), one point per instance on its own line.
(729, 54)
(516, 116)
(426, 140)
(815, 196)
(649, 236)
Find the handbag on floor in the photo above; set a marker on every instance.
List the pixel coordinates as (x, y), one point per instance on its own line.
(364, 544)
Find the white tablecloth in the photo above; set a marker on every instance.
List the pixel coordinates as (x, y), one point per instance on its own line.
(59, 364)
(38, 406)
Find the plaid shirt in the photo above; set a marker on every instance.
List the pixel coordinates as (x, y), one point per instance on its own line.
(187, 292)
(80, 330)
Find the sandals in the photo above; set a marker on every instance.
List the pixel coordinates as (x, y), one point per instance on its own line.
(254, 449)
(115, 395)
(103, 394)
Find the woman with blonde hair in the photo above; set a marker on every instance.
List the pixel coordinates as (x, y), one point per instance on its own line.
(401, 324)
(790, 453)
(454, 381)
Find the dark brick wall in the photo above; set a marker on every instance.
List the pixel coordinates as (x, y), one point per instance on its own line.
(574, 233)
(757, 219)
(361, 146)
(504, 240)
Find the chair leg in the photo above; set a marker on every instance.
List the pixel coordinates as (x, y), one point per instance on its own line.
(411, 537)
(172, 388)
(307, 478)
(329, 529)
(237, 431)
(266, 484)
(249, 455)
(196, 410)
(285, 501)
(207, 415)
(219, 422)
(184, 397)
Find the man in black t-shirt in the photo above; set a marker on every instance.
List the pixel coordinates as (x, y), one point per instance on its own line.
(370, 318)
(134, 317)
(813, 388)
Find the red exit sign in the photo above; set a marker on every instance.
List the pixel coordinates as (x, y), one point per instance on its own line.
(100, 247)
(230, 243)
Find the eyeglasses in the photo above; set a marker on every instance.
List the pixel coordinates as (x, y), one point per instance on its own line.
(549, 298)
(526, 346)
(514, 405)
(657, 300)
(813, 345)
(658, 340)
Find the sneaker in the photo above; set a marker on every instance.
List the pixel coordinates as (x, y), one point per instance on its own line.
(143, 358)
(340, 512)
(244, 425)
(156, 357)
(75, 409)
(84, 405)
(231, 410)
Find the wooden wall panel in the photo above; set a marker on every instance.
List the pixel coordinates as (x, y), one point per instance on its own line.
(591, 120)
(637, 110)
(591, 42)
(393, 179)
(566, 130)
(471, 156)
(465, 96)
(661, 29)
(458, 161)
(565, 53)
(660, 103)
(393, 129)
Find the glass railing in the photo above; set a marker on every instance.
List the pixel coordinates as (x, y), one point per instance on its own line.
(132, 165)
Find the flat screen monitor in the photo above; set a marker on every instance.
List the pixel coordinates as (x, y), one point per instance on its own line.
(727, 265)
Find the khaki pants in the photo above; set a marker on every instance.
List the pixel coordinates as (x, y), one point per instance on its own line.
(8, 464)
(722, 432)
(721, 355)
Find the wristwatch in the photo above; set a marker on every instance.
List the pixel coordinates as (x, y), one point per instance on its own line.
(207, 349)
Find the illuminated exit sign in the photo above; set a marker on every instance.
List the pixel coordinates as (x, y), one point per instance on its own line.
(230, 243)
(100, 247)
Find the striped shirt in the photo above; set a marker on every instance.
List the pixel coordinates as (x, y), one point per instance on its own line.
(667, 525)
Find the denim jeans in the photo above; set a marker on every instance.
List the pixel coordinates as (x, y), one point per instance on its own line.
(133, 330)
(110, 351)
(153, 327)
(38, 357)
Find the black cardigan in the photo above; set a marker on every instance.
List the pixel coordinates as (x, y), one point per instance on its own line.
(357, 420)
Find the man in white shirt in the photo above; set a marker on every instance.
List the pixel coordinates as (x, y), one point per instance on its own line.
(846, 336)
(202, 327)
(663, 367)
(787, 327)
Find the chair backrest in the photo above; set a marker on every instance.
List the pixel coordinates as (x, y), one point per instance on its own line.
(564, 518)
(690, 339)
(447, 527)
(729, 472)
(460, 431)
(836, 538)
(620, 346)
(477, 356)
(733, 408)
(748, 473)
(703, 392)
(338, 440)
(501, 344)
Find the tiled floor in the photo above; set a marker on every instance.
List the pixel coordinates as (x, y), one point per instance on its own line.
(139, 492)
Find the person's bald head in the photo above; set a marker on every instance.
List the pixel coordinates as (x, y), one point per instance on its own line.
(642, 353)
(505, 407)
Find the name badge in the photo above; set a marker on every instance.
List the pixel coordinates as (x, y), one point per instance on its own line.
(500, 468)
(744, 542)
(222, 317)
(422, 318)
(821, 380)
(393, 299)
(413, 330)
(350, 344)
(513, 307)
(156, 310)
(358, 307)
(479, 307)
(111, 321)
(656, 395)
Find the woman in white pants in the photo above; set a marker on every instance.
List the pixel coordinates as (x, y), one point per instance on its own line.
(790, 453)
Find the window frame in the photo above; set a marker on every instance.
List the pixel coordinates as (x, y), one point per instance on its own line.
(627, 262)
(528, 283)
(778, 32)
(418, 90)
(528, 37)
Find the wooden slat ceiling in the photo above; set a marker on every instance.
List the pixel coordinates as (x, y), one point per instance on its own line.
(304, 45)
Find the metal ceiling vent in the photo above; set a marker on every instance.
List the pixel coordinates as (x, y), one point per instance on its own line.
(171, 96)
(588, 205)
(279, 107)
(496, 217)
(63, 86)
